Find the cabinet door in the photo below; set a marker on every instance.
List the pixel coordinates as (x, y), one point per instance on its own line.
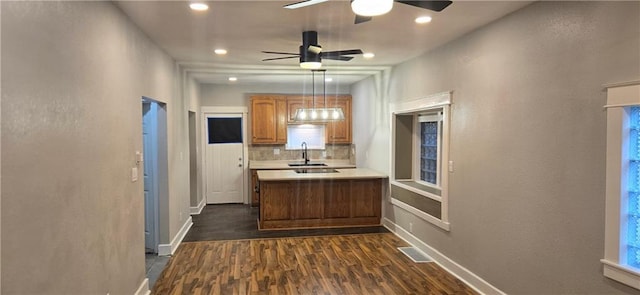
(275, 201)
(293, 104)
(255, 198)
(308, 200)
(281, 124)
(263, 120)
(340, 131)
(366, 198)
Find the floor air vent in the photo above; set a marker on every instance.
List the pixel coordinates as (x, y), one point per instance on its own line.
(415, 255)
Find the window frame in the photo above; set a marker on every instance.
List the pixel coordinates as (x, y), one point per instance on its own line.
(440, 101)
(417, 150)
(620, 97)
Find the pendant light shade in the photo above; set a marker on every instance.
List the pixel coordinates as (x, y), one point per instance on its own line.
(318, 115)
(371, 7)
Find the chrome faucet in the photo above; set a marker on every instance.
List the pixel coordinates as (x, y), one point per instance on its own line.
(305, 153)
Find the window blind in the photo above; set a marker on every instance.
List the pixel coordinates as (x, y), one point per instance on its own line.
(633, 190)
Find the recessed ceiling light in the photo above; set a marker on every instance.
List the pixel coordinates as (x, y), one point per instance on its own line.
(368, 55)
(328, 79)
(233, 79)
(199, 6)
(423, 20)
(220, 51)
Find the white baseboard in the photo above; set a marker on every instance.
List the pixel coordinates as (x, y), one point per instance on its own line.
(465, 275)
(144, 288)
(169, 249)
(198, 209)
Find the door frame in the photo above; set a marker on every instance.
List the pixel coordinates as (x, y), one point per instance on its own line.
(160, 167)
(204, 111)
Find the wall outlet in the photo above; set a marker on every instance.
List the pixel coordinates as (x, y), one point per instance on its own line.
(450, 166)
(276, 151)
(324, 154)
(411, 227)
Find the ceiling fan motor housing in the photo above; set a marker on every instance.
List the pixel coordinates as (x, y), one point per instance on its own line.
(309, 38)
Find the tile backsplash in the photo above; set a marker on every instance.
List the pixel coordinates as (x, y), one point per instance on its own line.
(334, 151)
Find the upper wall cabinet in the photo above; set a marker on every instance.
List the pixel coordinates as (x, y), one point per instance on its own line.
(268, 119)
(339, 131)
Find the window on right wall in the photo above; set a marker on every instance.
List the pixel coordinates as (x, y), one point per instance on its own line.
(420, 144)
(622, 212)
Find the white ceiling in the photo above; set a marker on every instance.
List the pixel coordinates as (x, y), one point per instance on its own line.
(245, 28)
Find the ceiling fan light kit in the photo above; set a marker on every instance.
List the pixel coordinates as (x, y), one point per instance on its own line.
(371, 7)
(318, 115)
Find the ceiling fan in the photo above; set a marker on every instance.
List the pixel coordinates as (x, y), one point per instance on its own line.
(311, 53)
(366, 9)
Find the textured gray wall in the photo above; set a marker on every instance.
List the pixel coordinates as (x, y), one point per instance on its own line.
(528, 141)
(73, 74)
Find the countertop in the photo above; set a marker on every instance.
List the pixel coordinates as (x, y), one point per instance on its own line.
(283, 164)
(353, 173)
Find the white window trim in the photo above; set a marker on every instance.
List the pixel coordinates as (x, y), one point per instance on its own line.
(417, 148)
(619, 96)
(431, 102)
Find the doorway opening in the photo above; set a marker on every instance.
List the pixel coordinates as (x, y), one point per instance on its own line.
(194, 194)
(154, 142)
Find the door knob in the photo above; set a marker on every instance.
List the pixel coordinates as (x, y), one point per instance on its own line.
(239, 165)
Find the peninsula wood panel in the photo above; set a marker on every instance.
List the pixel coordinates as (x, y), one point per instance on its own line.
(337, 203)
(362, 204)
(345, 264)
(320, 203)
(275, 201)
(308, 203)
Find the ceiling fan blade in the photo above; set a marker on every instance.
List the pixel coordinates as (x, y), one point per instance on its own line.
(431, 5)
(338, 57)
(277, 58)
(327, 54)
(361, 19)
(303, 4)
(276, 52)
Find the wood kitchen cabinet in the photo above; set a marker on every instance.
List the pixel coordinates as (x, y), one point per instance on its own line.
(268, 119)
(313, 203)
(339, 131)
(254, 189)
(301, 102)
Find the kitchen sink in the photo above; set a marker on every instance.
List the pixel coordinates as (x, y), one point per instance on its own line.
(323, 170)
(308, 164)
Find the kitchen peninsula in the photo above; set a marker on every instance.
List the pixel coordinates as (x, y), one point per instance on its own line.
(328, 197)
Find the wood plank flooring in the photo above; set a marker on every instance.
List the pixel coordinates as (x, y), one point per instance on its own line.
(345, 264)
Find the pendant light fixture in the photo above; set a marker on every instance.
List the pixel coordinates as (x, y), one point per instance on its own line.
(318, 115)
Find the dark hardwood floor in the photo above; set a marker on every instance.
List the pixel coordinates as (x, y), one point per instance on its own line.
(340, 264)
(238, 221)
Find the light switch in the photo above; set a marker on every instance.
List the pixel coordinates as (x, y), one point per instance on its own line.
(139, 157)
(134, 174)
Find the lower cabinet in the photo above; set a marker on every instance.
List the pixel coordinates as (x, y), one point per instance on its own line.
(320, 203)
(254, 189)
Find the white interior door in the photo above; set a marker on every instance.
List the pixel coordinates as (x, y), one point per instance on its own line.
(224, 158)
